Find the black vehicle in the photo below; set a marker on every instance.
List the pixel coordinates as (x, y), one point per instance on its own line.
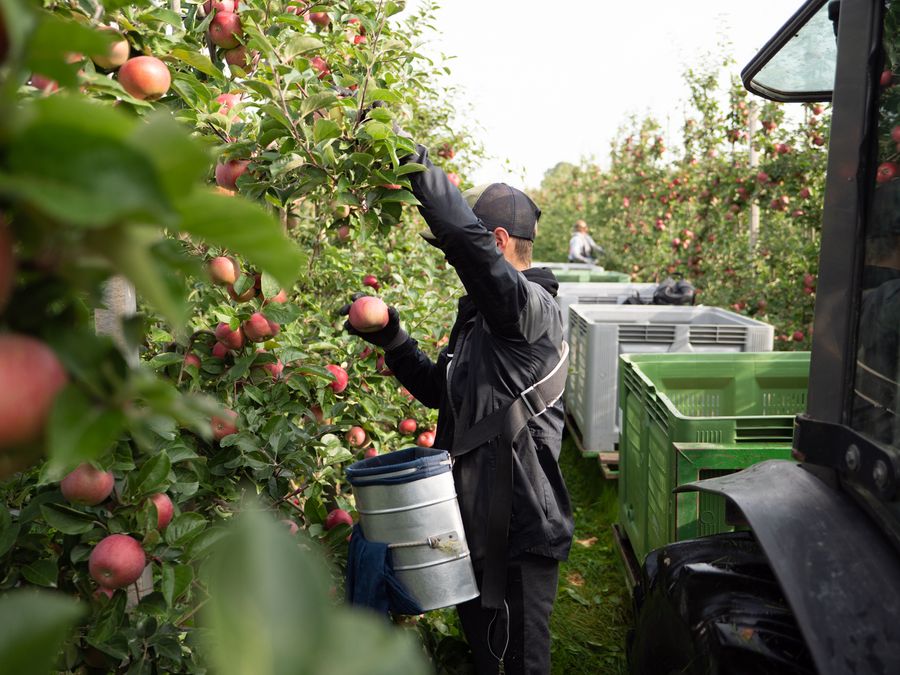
(812, 582)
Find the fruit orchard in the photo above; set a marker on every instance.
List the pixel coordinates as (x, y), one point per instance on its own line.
(661, 211)
(174, 484)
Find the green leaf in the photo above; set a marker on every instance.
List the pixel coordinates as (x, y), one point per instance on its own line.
(185, 527)
(152, 477)
(34, 627)
(180, 162)
(301, 45)
(324, 129)
(176, 579)
(197, 60)
(269, 286)
(241, 367)
(8, 530)
(66, 519)
(42, 572)
(243, 227)
(79, 431)
(282, 313)
(385, 95)
(399, 196)
(362, 158)
(263, 588)
(377, 131)
(74, 161)
(317, 102)
(411, 167)
(55, 38)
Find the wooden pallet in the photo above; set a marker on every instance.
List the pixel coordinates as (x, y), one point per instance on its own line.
(609, 465)
(609, 461)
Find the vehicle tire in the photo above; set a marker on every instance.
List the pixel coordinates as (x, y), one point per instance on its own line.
(712, 606)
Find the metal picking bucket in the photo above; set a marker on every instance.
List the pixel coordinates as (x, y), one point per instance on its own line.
(407, 499)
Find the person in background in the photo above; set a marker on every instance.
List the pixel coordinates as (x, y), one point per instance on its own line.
(582, 248)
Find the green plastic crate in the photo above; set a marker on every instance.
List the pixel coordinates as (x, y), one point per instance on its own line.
(590, 276)
(687, 417)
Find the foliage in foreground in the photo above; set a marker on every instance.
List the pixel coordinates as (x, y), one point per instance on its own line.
(97, 181)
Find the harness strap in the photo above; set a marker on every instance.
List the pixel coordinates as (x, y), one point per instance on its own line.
(507, 423)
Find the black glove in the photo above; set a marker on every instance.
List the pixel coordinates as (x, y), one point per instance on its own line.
(388, 338)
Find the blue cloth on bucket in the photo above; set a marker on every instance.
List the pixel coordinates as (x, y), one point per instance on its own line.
(370, 578)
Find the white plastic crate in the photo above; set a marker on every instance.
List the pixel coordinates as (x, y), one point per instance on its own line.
(599, 293)
(599, 334)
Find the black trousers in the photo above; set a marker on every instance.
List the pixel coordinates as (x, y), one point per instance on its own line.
(524, 630)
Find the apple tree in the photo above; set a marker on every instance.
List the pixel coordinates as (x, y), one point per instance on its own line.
(661, 211)
(247, 386)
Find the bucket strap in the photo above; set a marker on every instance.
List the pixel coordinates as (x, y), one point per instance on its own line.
(507, 423)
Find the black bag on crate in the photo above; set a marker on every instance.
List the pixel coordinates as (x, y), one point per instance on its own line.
(674, 292)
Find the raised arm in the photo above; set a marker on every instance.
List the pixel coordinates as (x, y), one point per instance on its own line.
(497, 289)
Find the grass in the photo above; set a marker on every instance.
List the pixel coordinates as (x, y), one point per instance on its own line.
(593, 608)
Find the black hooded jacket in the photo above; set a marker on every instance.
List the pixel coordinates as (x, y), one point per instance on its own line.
(507, 336)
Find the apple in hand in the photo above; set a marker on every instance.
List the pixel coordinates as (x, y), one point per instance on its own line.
(368, 314)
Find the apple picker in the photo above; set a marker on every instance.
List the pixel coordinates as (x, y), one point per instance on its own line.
(497, 387)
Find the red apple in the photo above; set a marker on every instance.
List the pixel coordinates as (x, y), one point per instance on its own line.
(293, 528)
(372, 281)
(223, 270)
(32, 376)
(805, 193)
(248, 294)
(356, 436)
(164, 509)
(407, 426)
(341, 378)
(219, 351)
(446, 151)
(87, 485)
(219, 6)
(116, 54)
(343, 233)
(227, 101)
(225, 425)
(118, 560)
(368, 314)
(320, 65)
(887, 171)
(454, 178)
(817, 110)
(191, 360)
(257, 328)
(279, 298)
(145, 78)
(43, 83)
(274, 369)
(237, 57)
(337, 516)
(798, 335)
(233, 339)
(320, 18)
(371, 452)
(763, 177)
(228, 172)
(887, 77)
(425, 439)
(225, 29)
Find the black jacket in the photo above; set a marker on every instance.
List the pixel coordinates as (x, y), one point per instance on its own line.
(507, 336)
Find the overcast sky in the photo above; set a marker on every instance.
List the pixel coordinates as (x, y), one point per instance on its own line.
(550, 82)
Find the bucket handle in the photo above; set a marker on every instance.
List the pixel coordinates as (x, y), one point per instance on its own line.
(449, 542)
